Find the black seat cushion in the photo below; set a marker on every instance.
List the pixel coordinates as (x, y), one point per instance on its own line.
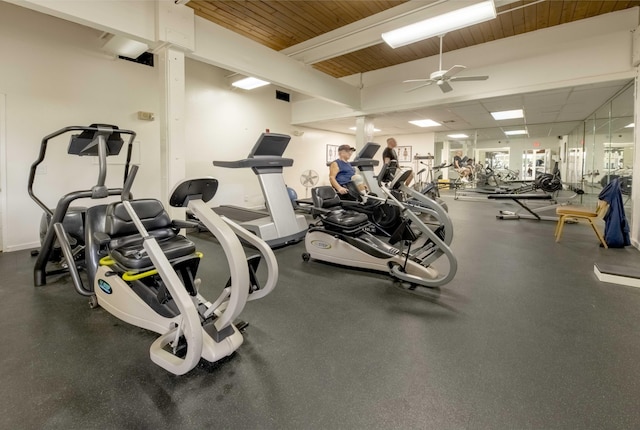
(346, 218)
(150, 211)
(126, 245)
(133, 256)
(339, 219)
(325, 197)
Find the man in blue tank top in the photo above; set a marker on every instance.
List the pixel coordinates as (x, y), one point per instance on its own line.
(341, 172)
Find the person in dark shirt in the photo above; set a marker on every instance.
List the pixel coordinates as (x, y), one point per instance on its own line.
(341, 172)
(389, 154)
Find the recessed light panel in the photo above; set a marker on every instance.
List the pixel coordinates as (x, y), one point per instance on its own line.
(375, 129)
(515, 132)
(508, 114)
(425, 123)
(250, 83)
(457, 136)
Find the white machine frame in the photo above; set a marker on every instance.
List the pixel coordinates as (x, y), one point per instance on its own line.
(116, 296)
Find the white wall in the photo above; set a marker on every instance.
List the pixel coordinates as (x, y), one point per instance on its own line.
(54, 75)
(223, 123)
(421, 143)
(309, 152)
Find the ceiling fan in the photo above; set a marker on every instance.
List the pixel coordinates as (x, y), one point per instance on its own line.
(442, 77)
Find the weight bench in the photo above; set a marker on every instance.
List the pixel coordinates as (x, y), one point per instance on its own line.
(518, 199)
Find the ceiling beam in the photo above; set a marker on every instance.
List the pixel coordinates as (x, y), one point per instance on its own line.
(366, 32)
(135, 19)
(223, 48)
(588, 51)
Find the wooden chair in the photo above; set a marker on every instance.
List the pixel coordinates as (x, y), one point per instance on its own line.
(580, 212)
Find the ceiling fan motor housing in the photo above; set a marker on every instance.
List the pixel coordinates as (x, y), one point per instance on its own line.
(437, 75)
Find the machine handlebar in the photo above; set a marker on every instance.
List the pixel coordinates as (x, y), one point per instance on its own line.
(101, 131)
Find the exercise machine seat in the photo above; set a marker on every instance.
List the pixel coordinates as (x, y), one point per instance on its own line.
(126, 245)
(337, 218)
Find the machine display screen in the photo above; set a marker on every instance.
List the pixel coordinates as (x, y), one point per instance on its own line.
(368, 151)
(270, 144)
(86, 143)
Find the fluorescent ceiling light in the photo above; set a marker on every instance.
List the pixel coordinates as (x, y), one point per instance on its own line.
(441, 24)
(609, 145)
(375, 129)
(457, 136)
(632, 125)
(508, 114)
(515, 132)
(250, 83)
(124, 47)
(425, 123)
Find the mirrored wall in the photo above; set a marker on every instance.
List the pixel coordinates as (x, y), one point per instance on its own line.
(601, 148)
(587, 154)
(518, 157)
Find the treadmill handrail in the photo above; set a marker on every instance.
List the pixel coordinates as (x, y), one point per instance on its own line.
(264, 161)
(365, 162)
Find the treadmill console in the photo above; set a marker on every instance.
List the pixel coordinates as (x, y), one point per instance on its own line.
(270, 145)
(266, 154)
(366, 154)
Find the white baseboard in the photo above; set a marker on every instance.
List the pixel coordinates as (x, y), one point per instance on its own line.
(616, 279)
(22, 247)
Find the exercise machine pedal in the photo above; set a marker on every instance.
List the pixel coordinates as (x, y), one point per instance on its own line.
(429, 293)
(241, 325)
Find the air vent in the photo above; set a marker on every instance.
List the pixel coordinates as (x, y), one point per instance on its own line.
(145, 59)
(448, 121)
(281, 95)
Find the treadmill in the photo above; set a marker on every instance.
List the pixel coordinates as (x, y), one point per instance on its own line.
(278, 224)
(365, 163)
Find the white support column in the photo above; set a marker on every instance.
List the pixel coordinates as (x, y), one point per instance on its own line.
(364, 131)
(172, 122)
(444, 158)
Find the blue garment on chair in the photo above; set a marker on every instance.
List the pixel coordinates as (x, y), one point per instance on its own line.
(616, 230)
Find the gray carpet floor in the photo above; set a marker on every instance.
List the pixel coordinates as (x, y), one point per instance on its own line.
(525, 337)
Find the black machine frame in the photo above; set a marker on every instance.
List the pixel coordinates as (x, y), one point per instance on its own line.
(101, 140)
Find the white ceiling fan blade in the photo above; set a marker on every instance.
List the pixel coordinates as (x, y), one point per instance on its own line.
(416, 80)
(420, 86)
(469, 78)
(453, 71)
(444, 86)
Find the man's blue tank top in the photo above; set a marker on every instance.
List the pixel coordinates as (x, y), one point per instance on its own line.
(345, 173)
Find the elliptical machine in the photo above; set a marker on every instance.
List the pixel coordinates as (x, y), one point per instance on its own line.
(143, 272)
(341, 237)
(420, 202)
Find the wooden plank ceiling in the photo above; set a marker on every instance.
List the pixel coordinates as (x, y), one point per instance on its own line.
(281, 24)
